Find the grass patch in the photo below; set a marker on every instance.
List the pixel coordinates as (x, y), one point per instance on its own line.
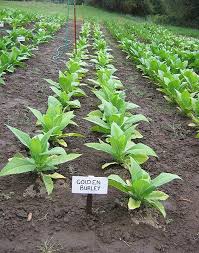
(47, 8)
(184, 31)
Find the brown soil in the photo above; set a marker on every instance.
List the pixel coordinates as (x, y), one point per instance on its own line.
(60, 220)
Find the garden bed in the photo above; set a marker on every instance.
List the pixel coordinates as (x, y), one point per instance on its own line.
(60, 220)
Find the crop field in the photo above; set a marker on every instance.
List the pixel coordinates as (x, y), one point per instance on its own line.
(123, 105)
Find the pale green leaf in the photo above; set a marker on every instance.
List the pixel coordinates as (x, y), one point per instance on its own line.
(164, 178)
(53, 161)
(118, 183)
(106, 165)
(157, 195)
(22, 136)
(56, 176)
(101, 147)
(17, 166)
(48, 182)
(133, 204)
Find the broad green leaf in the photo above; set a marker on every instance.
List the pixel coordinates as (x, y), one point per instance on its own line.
(66, 120)
(37, 114)
(130, 106)
(118, 183)
(45, 139)
(56, 91)
(96, 113)
(159, 206)
(144, 148)
(51, 82)
(101, 147)
(142, 187)
(97, 121)
(53, 102)
(55, 151)
(116, 131)
(164, 178)
(139, 158)
(74, 104)
(62, 159)
(17, 166)
(35, 146)
(136, 118)
(22, 136)
(137, 172)
(157, 195)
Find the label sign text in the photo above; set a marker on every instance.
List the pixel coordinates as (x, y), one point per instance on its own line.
(21, 39)
(89, 185)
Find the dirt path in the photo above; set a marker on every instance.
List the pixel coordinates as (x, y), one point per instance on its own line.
(61, 219)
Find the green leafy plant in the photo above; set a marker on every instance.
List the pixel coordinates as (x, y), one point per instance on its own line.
(106, 79)
(116, 98)
(42, 160)
(121, 148)
(68, 83)
(76, 66)
(170, 65)
(103, 60)
(103, 120)
(65, 99)
(55, 118)
(185, 101)
(141, 189)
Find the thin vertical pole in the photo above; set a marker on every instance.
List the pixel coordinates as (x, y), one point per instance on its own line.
(89, 203)
(75, 26)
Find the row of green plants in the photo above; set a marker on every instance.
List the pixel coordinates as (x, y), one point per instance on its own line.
(14, 52)
(118, 124)
(44, 151)
(16, 18)
(114, 120)
(179, 84)
(185, 48)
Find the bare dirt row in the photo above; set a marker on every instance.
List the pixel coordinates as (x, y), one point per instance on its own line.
(61, 219)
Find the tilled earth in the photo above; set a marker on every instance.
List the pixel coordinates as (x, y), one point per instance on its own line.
(60, 221)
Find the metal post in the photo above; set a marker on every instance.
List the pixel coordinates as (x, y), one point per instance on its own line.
(75, 26)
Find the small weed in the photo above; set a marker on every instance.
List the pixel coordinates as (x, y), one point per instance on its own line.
(50, 246)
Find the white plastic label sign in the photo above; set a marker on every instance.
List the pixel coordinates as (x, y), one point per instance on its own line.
(89, 185)
(1, 24)
(20, 38)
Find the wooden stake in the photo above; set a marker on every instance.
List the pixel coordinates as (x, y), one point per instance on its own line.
(89, 204)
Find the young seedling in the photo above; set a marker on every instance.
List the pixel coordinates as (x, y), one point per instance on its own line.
(68, 83)
(103, 120)
(42, 160)
(121, 148)
(141, 189)
(66, 99)
(55, 118)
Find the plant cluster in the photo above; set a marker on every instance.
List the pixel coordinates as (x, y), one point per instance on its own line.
(115, 120)
(184, 48)
(169, 69)
(34, 28)
(43, 159)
